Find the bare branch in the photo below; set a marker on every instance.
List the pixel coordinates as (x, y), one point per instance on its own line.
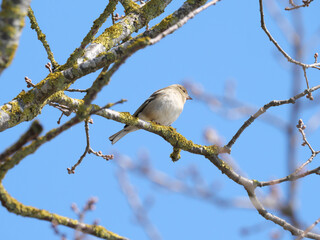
(86, 127)
(88, 149)
(286, 55)
(93, 31)
(308, 229)
(12, 205)
(290, 177)
(306, 3)
(41, 37)
(263, 109)
(183, 21)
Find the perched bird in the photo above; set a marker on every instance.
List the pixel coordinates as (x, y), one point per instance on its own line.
(163, 107)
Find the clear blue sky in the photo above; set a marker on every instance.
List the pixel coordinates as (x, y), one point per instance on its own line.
(223, 43)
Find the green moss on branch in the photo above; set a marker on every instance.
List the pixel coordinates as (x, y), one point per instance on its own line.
(14, 206)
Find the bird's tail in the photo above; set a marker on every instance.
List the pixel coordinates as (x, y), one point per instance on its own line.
(117, 136)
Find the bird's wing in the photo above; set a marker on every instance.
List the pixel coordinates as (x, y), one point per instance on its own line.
(152, 97)
(143, 105)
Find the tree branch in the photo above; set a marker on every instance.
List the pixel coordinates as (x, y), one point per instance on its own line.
(286, 55)
(41, 37)
(263, 109)
(32, 133)
(27, 105)
(93, 31)
(12, 17)
(12, 205)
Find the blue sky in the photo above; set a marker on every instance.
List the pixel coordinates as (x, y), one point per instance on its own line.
(223, 43)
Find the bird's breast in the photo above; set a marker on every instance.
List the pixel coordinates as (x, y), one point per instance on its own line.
(163, 110)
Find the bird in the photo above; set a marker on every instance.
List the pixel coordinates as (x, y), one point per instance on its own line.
(163, 107)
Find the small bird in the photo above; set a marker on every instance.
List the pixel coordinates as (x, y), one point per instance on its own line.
(163, 107)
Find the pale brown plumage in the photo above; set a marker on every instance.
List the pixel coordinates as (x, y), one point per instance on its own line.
(163, 107)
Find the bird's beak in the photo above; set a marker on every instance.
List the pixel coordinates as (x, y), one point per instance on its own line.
(189, 98)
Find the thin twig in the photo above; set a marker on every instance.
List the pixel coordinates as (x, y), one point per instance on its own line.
(41, 37)
(99, 154)
(305, 4)
(263, 109)
(29, 82)
(286, 55)
(88, 149)
(34, 145)
(109, 105)
(76, 90)
(59, 120)
(181, 22)
(282, 22)
(54, 226)
(64, 109)
(307, 162)
(292, 3)
(86, 127)
(308, 229)
(301, 127)
(309, 95)
(291, 177)
(305, 76)
(89, 206)
(49, 67)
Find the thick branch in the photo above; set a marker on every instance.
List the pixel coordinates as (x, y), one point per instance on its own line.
(12, 205)
(135, 20)
(32, 133)
(93, 31)
(27, 105)
(12, 17)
